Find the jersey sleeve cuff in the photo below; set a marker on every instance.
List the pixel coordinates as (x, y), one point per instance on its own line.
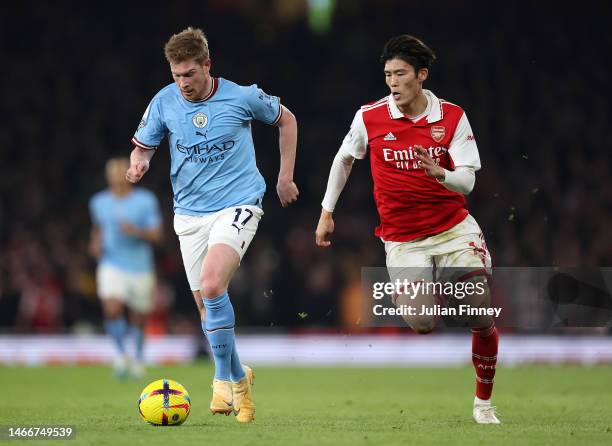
(326, 207)
(445, 177)
(141, 145)
(280, 113)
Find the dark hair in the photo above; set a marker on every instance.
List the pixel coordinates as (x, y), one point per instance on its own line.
(409, 49)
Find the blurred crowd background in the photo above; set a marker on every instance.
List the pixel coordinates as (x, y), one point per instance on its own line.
(76, 78)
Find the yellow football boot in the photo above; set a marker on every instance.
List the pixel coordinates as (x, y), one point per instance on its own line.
(244, 408)
(222, 399)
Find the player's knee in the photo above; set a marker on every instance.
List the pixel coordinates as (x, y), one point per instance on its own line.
(212, 287)
(480, 322)
(422, 326)
(113, 314)
(138, 319)
(113, 309)
(480, 294)
(423, 329)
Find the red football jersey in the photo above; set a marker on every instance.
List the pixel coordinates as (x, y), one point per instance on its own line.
(410, 203)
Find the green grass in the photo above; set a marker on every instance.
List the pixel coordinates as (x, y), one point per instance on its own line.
(322, 406)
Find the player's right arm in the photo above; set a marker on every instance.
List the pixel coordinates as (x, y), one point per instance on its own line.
(139, 163)
(149, 134)
(95, 242)
(354, 146)
(95, 234)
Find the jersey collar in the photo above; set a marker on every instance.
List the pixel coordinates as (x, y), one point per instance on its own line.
(435, 115)
(213, 90)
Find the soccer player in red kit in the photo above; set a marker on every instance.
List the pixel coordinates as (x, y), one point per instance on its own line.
(423, 156)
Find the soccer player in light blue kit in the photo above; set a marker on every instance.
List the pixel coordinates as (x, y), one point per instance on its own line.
(126, 221)
(218, 191)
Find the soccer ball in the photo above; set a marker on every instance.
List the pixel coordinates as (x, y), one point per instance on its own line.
(164, 403)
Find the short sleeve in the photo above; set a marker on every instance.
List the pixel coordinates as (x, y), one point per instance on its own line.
(153, 216)
(262, 106)
(151, 129)
(463, 149)
(355, 142)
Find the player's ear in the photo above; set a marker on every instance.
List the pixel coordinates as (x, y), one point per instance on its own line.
(422, 75)
(207, 63)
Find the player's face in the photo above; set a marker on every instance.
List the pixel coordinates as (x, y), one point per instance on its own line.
(115, 172)
(192, 78)
(405, 84)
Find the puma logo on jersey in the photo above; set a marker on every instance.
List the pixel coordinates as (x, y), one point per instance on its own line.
(389, 137)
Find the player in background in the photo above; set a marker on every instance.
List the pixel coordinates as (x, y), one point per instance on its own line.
(126, 222)
(423, 156)
(218, 190)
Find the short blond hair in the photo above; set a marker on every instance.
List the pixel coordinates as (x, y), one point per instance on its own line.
(117, 162)
(191, 43)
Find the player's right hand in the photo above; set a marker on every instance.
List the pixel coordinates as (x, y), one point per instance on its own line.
(136, 171)
(325, 228)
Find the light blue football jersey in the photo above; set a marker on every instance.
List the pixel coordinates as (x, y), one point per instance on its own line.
(139, 208)
(211, 147)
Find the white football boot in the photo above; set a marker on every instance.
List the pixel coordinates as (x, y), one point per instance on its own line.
(485, 414)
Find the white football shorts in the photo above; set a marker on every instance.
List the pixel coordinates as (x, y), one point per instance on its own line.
(235, 227)
(457, 253)
(135, 290)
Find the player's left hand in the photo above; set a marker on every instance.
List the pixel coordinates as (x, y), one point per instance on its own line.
(129, 229)
(287, 191)
(430, 166)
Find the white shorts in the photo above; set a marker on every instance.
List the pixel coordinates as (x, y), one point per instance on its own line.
(135, 290)
(456, 253)
(235, 227)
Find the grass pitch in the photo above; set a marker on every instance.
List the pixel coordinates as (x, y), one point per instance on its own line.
(321, 406)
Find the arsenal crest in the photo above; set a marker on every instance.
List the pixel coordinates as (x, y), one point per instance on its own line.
(438, 132)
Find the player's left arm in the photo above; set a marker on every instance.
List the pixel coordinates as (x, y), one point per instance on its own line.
(150, 235)
(268, 109)
(151, 229)
(464, 153)
(287, 140)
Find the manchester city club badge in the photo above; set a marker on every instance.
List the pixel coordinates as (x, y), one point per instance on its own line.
(200, 120)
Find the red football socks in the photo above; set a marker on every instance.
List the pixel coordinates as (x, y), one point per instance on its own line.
(484, 358)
